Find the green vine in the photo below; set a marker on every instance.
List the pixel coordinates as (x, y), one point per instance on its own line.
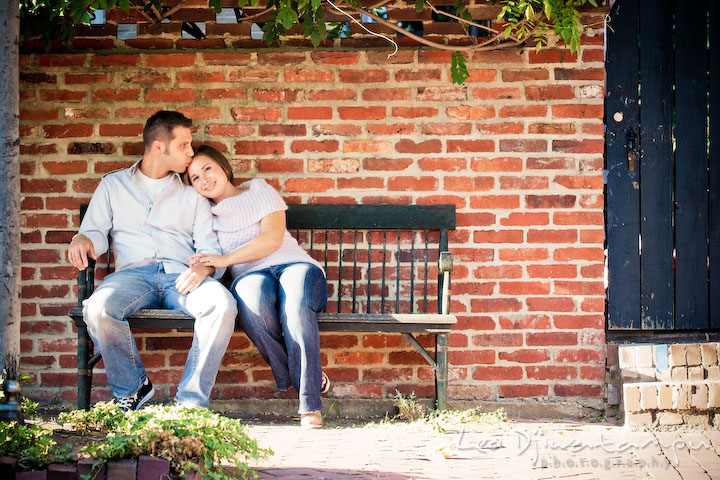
(522, 20)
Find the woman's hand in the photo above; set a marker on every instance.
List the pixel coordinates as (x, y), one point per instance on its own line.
(209, 260)
(192, 278)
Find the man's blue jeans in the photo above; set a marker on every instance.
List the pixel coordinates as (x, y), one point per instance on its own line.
(278, 309)
(125, 292)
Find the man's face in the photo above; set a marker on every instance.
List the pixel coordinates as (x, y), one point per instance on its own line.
(178, 152)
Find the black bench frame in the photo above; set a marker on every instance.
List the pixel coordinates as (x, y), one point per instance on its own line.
(430, 218)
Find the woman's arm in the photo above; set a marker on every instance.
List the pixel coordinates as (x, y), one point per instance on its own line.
(272, 230)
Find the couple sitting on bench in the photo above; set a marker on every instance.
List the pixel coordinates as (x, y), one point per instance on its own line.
(171, 245)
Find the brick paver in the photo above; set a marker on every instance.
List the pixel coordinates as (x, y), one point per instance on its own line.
(514, 450)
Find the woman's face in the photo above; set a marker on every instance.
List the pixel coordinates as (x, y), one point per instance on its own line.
(207, 178)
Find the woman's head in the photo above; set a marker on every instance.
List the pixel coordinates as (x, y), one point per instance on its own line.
(210, 173)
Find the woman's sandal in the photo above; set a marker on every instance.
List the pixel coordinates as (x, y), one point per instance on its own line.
(325, 384)
(311, 420)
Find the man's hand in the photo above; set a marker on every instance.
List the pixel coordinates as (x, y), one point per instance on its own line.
(191, 278)
(80, 248)
(209, 260)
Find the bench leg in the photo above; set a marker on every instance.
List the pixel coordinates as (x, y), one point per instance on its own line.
(84, 370)
(441, 370)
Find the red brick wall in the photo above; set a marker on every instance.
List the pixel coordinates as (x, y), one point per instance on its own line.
(518, 149)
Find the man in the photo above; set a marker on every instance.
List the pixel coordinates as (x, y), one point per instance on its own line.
(156, 223)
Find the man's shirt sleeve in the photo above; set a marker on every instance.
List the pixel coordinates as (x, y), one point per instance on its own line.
(97, 222)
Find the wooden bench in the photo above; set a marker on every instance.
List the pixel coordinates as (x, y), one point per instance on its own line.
(387, 267)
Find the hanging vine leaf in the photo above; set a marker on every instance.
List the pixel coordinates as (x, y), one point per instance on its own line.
(458, 69)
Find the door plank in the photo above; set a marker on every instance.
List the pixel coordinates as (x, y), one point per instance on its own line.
(714, 165)
(691, 208)
(656, 261)
(623, 218)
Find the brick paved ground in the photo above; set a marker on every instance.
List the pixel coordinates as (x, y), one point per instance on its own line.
(514, 450)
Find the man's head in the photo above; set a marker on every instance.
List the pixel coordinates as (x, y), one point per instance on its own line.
(167, 139)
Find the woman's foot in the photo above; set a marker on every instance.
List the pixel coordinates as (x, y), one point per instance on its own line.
(311, 420)
(325, 384)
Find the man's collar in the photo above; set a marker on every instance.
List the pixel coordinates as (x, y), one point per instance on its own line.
(135, 168)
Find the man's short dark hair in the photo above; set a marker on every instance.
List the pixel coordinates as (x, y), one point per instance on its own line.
(161, 125)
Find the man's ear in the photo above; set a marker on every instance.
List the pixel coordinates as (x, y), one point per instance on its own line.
(158, 146)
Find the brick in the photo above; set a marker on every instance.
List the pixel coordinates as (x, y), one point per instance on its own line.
(469, 184)
(579, 74)
(523, 145)
(498, 339)
(496, 93)
(522, 254)
(121, 469)
(113, 95)
(273, 147)
(523, 111)
(502, 128)
(648, 397)
(699, 396)
(116, 60)
(497, 373)
(152, 468)
(176, 95)
(713, 395)
(524, 356)
(441, 94)
(697, 420)
(276, 130)
(309, 184)
(639, 419)
(68, 131)
(552, 236)
(523, 74)
(227, 58)
(364, 76)
(386, 94)
(669, 418)
(446, 129)
(386, 57)
(470, 112)
(549, 92)
(412, 183)
(344, 130)
(170, 60)
(121, 130)
(515, 391)
(389, 128)
(386, 164)
(335, 58)
(524, 183)
(679, 373)
(256, 113)
(374, 146)
(578, 146)
(361, 113)
(578, 111)
(309, 113)
(482, 305)
(681, 396)
(200, 77)
(696, 373)
(421, 75)
(552, 128)
(664, 397)
(279, 165)
(470, 146)
(325, 95)
(551, 338)
(409, 146)
(709, 354)
(253, 75)
(501, 164)
(314, 146)
(677, 355)
(224, 93)
(444, 164)
(78, 113)
(692, 354)
(414, 112)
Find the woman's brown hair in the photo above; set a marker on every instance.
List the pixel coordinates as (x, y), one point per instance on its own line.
(215, 155)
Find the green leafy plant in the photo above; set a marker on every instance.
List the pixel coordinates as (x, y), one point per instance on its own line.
(31, 445)
(408, 406)
(191, 438)
(520, 20)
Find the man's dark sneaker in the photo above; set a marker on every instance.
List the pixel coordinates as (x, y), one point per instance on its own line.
(136, 400)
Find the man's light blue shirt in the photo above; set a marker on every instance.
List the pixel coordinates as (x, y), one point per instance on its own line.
(169, 230)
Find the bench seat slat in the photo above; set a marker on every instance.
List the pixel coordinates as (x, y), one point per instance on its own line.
(346, 322)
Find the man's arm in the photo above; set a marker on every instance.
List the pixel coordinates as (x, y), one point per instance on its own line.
(91, 239)
(204, 237)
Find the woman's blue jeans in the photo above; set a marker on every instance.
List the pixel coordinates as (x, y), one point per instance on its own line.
(125, 292)
(278, 308)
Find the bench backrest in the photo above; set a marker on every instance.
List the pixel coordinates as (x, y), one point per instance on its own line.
(378, 258)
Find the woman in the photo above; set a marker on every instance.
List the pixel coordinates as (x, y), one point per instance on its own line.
(278, 286)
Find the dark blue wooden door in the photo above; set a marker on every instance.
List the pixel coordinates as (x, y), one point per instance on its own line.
(662, 115)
